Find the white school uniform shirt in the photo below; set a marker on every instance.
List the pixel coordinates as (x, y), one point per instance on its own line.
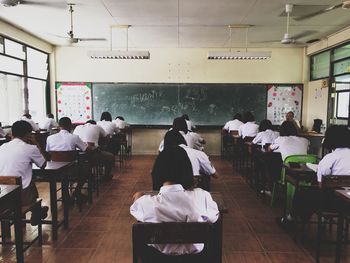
(248, 129)
(174, 204)
(290, 145)
(48, 124)
(233, 125)
(190, 125)
(35, 126)
(268, 136)
(109, 127)
(120, 123)
(90, 133)
(201, 164)
(190, 140)
(64, 141)
(334, 163)
(16, 159)
(196, 140)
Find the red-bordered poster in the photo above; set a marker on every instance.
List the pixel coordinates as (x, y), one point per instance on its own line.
(74, 101)
(282, 99)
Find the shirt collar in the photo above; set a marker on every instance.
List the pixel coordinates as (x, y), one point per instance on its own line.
(171, 188)
(17, 140)
(64, 131)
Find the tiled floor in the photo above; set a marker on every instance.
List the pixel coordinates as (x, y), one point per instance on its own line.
(101, 233)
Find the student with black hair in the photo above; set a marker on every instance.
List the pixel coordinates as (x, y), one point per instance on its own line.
(120, 122)
(177, 201)
(337, 139)
(28, 118)
(16, 159)
(249, 128)
(180, 126)
(106, 124)
(190, 125)
(48, 123)
(266, 134)
(234, 124)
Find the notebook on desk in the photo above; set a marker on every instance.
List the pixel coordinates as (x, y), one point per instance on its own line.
(312, 166)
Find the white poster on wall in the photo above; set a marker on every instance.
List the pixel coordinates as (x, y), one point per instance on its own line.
(74, 101)
(282, 99)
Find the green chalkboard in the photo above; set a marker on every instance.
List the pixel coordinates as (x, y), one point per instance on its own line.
(160, 103)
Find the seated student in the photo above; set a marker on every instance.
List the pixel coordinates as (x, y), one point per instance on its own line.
(2, 132)
(120, 122)
(190, 125)
(90, 133)
(249, 128)
(16, 159)
(201, 164)
(65, 141)
(48, 123)
(290, 118)
(266, 135)
(234, 124)
(106, 124)
(177, 201)
(28, 118)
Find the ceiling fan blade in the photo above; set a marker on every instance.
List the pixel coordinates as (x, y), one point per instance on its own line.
(301, 18)
(53, 4)
(91, 39)
(304, 34)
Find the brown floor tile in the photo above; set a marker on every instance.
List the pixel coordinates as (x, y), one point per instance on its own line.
(290, 258)
(279, 243)
(239, 257)
(242, 243)
(87, 239)
(71, 255)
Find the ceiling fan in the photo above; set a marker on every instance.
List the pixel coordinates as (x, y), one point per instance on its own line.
(344, 5)
(54, 4)
(72, 39)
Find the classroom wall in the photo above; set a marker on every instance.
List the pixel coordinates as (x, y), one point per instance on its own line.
(179, 65)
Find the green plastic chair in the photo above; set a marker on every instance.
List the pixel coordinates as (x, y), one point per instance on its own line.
(302, 158)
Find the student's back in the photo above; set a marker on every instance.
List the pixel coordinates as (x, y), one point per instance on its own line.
(90, 133)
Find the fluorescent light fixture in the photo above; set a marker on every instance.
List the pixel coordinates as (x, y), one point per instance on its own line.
(119, 54)
(238, 55)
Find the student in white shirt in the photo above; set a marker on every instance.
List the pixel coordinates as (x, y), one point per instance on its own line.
(234, 124)
(249, 128)
(28, 118)
(266, 135)
(2, 132)
(106, 124)
(49, 123)
(90, 133)
(177, 201)
(190, 125)
(120, 122)
(65, 141)
(16, 159)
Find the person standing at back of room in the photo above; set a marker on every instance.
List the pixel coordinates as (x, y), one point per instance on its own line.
(296, 123)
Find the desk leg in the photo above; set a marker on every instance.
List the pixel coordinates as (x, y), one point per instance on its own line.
(53, 204)
(340, 229)
(65, 198)
(18, 227)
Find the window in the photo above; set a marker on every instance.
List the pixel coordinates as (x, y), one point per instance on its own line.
(341, 67)
(341, 52)
(23, 81)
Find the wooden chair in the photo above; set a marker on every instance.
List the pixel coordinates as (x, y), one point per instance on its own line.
(328, 207)
(174, 233)
(6, 217)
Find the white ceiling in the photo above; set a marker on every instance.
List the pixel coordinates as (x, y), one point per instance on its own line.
(176, 23)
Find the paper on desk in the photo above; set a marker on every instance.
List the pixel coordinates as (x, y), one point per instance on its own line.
(312, 166)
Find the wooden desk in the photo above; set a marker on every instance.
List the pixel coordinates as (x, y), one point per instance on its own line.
(10, 199)
(344, 200)
(295, 175)
(55, 172)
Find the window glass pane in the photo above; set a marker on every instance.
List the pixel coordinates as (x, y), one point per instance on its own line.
(343, 78)
(37, 99)
(342, 86)
(37, 64)
(341, 67)
(341, 52)
(343, 105)
(11, 65)
(320, 65)
(14, 49)
(11, 98)
(1, 44)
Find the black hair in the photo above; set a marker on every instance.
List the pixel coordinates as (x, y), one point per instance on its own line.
(265, 125)
(27, 115)
(0, 124)
(50, 115)
(185, 116)
(91, 121)
(248, 117)
(337, 136)
(106, 116)
(288, 129)
(65, 122)
(172, 165)
(120, 118)
(237, 116)
(179, 124)
(21, 128)
(173, 138)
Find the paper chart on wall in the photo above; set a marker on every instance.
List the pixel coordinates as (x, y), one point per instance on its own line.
(74, 101)
(282, 99)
